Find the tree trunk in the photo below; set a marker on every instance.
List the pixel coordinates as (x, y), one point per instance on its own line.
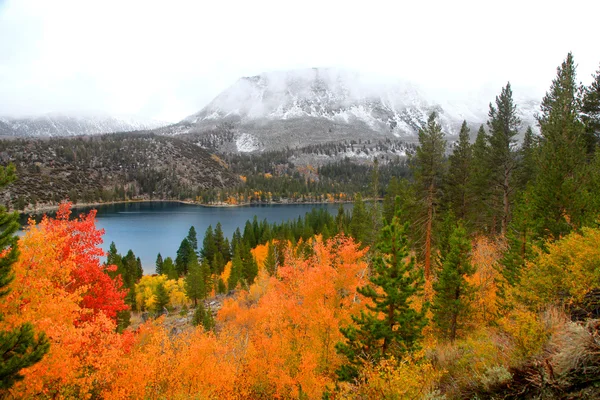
(428, 234)
(505, 203)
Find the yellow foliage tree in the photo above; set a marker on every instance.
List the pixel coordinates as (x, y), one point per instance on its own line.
(565, 272)
(145, 291)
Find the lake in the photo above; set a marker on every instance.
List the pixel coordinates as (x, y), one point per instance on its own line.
(149, 228)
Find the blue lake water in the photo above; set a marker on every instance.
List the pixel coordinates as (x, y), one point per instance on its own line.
(149, 228)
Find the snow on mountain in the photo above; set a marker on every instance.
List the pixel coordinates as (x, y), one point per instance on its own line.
(52, 125)
(310, 106)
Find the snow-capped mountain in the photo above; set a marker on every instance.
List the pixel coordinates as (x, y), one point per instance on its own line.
(52, 125)
(302, 107)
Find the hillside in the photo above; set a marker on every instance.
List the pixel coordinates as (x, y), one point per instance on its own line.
(297, 108)
(108, 168)
(53, 125)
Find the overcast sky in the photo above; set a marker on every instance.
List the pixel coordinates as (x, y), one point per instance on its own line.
(167, 59)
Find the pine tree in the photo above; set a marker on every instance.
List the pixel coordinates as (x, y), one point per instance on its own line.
(236, 269)
(479, 187)
(248, 236)
(359, 224)
(452, 291)
(340, 219)
(429, 169)
(459, 174)
(249, 266)
(590, 108)
(208, 245)
(203, 317)
(193, 238)
(375, 208)
(520, 238)
(162, 299)
(221, 244)
(560, 200)
(169, 268)
(159, 265)
(207, 278)
(19, 347)
(389, 327)
(271, 260)
(527, 167)
(112, 256)
(184, 254)
(194, 281)
(504, 126)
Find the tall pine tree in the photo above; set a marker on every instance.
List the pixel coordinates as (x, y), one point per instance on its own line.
(560, 198)
(479, 185)
(459, 174)
(429, 169)
(504, 126)
(194, 281)
(452, 291)
(389, 327)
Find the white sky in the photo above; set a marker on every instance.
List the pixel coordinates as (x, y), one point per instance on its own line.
(167, 59)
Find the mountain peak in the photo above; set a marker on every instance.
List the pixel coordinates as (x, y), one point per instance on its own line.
(314, 105)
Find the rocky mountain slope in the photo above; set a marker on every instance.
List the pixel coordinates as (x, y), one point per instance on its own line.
(53, 125)
(108, 168)
(313, 106)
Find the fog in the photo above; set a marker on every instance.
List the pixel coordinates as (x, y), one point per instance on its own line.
(166, 60)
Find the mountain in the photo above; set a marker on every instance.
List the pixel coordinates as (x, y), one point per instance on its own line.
(111, 167)
(53, 125)
(304, 107)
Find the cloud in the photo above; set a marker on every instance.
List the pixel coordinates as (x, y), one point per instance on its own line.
(168, 59)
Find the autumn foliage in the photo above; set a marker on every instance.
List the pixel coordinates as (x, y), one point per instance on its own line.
(62, 289)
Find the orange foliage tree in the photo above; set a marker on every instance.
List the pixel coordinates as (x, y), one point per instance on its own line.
(61, 288)
(275, 340)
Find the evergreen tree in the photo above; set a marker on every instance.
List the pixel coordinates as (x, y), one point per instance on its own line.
(389, 327)
(458, 178)
(527, 168)
(340, 219)
(271, 260)
(236, 269)
(194, 281)
(429, 168)
(452, 291)
(359, 224)
(248, 236)
(162, 299)
(112, 256)
(203, 317)
(19, 347)
(590, 108)
(206, 277)
(249, 266)
(159, 265)
(560, 198)
(221, 287)
(193, 238)
(479, 187)
(184, 254)
(221, 244)
(375, 207)
(130, 269)
(208, 245)
(169, 268)
(504, 126)
(519, 238)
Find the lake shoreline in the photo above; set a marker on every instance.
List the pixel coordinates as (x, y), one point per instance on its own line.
(49, 208)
